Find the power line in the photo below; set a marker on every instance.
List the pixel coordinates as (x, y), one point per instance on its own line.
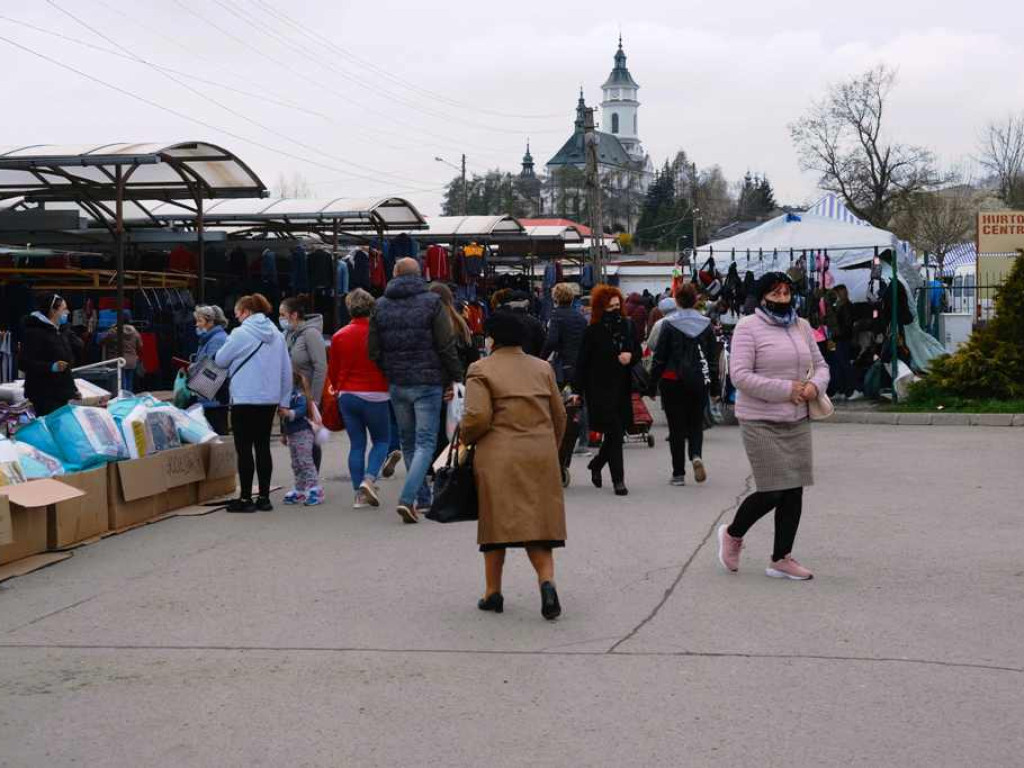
(226, 108)
(329, 88)
(394, 78)
(180, 115)
(355, 80)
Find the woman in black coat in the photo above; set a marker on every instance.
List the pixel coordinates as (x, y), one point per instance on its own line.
(48, 353)
(604, 378)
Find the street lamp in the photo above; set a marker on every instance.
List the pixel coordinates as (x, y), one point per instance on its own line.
(465, 199)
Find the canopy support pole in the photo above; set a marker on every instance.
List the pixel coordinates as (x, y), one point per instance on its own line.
(895, 323)
(201, 240)
(119, 181)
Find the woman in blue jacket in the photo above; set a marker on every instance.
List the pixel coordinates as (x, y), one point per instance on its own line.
(260, 376)
(210, 324)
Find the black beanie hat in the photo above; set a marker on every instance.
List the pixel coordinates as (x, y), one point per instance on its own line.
(506, 328)
(768, 281)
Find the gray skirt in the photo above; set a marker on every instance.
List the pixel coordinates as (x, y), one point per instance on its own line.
(780, 454)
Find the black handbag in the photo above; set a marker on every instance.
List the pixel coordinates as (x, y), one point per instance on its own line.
(455, 497)
(640, 379)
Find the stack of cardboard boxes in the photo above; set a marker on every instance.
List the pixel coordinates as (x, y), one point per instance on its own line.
(54, 515)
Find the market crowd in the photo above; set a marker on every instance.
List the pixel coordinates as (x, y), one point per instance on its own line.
(421, 377)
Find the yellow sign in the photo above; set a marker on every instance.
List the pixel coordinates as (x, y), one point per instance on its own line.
(999, 233)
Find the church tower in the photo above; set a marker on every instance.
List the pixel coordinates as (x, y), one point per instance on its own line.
(619, 107)
(527, 172)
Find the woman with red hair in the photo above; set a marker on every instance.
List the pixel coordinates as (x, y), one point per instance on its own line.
(603, 376)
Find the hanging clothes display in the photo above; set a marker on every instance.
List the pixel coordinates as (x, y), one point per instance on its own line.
(437, 267)
(378, 274)
(341, 278)
(359, 270)
(268, 266)
(299, 269)
(321, 272)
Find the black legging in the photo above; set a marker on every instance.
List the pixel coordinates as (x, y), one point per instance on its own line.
(685, 413)
(788, 505)
(611, 454)
(251, 425)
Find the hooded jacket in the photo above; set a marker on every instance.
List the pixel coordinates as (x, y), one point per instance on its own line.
(266, 379)
(308, 352)
(44, 344)
(411, 337)
(679, 332)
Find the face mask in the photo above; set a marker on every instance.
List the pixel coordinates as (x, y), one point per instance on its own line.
(285, 325)
(778, 307)
(63, 320)
(612, 315)
(488, 345)
(199, 331)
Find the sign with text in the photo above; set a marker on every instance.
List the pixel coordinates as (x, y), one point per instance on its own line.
(999, 233)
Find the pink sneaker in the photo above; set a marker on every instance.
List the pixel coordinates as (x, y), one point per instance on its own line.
(788, 568)
(728, 549)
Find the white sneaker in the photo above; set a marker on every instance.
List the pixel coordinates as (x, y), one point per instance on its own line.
(361, 501)
(370, 493)
(855, 396)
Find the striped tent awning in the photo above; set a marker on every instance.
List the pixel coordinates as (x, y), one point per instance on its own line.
(831, 207)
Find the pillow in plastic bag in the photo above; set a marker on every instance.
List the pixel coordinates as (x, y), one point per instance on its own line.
(37, 465)
(86, 437)
(11, 472)
(37, 434)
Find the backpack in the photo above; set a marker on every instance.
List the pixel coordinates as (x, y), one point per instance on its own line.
(692, 368)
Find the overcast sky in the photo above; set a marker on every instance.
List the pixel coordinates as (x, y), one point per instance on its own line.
(359, 98)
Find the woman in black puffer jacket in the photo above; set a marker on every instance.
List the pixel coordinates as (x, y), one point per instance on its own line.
(565, 334)
(48, 353)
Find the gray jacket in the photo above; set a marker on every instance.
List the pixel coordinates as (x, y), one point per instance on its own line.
(308, 351)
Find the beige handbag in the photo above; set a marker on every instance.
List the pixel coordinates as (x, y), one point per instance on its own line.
(820, 408)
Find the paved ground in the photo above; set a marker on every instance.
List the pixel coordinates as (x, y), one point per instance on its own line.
(335, 637)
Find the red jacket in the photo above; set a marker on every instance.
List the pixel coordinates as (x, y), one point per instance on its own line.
(350, 368)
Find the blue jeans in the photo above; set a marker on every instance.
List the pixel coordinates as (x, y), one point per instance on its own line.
(395, 442)
(418, 411)
(128, 379)
(362, 416)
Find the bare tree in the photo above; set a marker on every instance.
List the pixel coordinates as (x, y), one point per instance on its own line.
(1001, 152)
(842, 138)
(295, 186)
(936, 222)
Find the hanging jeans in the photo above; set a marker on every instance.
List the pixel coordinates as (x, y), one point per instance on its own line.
(788, 505)
(418, 412)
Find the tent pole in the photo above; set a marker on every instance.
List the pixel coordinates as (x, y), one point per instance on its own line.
(201, 239)
(119, 181)
(895, 325)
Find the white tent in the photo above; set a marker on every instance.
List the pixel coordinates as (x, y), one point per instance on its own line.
(850, 247)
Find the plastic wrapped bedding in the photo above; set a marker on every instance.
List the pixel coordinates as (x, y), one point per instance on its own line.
(86, 437)
(37, 465)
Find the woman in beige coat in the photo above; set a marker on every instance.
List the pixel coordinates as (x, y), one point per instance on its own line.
(515, 417)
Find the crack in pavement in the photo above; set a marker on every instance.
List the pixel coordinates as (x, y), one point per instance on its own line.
(683, 569)
(513, 652)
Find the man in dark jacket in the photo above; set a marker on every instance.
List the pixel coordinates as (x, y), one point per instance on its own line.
(48, 353)
(413, 342)
(518, 302)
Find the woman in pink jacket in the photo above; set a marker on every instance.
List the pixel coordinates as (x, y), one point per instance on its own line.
(777, 370)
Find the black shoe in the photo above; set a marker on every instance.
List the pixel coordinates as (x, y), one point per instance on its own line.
(550, 608)
(595, 474)
(621, 489)
(494, 603)
(241, 505)
(263, 504)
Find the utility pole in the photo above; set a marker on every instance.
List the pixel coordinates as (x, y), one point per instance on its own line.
(465, 192)
(590, 142)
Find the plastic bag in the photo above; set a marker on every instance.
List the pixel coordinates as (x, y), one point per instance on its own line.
(456, 407)
(321, 434)
(86, 437)
(37, 465)
(37, 434)
(165, 431)
(11, 472)
(182, 394)
(190, 430)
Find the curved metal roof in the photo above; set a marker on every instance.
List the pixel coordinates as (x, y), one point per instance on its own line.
(180, 171)
(387, 213)
(471, 226)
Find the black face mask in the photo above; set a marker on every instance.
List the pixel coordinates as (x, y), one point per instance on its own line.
(611, 316)
(778, 307)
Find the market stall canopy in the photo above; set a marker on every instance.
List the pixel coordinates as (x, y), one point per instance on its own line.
(382, 213)
(465, 228)
(849, 246)
(182, 171)
(565, 234)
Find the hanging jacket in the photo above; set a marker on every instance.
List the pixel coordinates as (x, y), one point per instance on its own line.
(342, 277)
(308, 351)
(359, 271)
(268, 266)
(300, 269)
(266, 379)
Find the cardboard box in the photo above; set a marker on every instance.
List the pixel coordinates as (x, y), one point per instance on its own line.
(82, 518)
(29, 505)
(141, 489)
(6, 529)
(221, 464)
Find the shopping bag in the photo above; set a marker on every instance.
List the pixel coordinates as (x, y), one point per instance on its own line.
(456, 407)
(182, 394)
(321, 434)
(455, 496)
(330, 414)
